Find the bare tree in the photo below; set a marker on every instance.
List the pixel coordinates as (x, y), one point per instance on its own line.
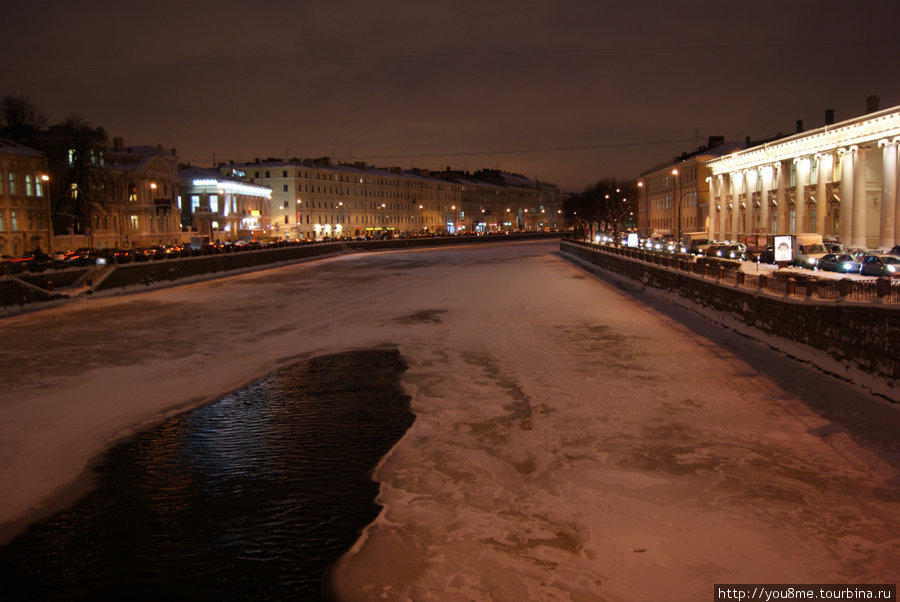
(581, 211)
(83, 185)
(609, 205)
(20, 119)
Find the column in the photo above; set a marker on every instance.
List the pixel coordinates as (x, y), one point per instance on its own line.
(846, 226)
(800, 224)
(858, 230)
(737, 180)
(766, 175)
(723, 207)
(888, 193)
(824, 163)
(781, 207)
(713, 217)
(751, 178)
(896, 141)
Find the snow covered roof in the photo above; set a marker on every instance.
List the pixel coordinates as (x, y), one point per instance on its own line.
(8, 147)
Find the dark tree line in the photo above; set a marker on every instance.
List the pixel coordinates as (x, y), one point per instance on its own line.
(609, 206)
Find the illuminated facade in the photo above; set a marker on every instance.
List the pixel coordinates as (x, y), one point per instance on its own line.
(24, 202)
(316, 199)
(143, 210)
(673, 196)
(225, 209)
(500, 202)
(838, 180)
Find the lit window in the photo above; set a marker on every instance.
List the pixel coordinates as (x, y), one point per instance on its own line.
(195, 202)
(12, 183)
(71, 157)
(29, 188)
(132, 193)
(14, 221)
(214, 203)
(134, 222)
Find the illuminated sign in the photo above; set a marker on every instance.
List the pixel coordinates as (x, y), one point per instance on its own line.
(237, 187)
(633, 240)
(784, 249)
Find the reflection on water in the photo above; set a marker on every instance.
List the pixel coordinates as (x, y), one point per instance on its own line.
(250, 497)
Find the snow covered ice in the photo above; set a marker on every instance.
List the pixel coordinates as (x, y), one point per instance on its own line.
(575, 438)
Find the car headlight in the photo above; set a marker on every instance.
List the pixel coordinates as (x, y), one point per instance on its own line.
(848, 266)
(891, 269)
(812, 261)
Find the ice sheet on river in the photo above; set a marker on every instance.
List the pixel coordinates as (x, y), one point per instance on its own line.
(571, 441)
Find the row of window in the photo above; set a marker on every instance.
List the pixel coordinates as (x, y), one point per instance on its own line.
(306, 188)
(353, 179)
(832, 224)
(811, 180)
(229, 206)
(14, 220)
(34, 184)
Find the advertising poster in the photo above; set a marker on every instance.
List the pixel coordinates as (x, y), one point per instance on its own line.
(783, 249)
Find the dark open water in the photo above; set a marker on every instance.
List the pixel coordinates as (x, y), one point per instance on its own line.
(251, 497)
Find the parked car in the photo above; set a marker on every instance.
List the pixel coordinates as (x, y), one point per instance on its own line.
(716, 249)
(736, 251)
(839, 262)
(881, 265)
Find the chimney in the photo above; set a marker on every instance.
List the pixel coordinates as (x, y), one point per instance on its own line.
(118, 143)
(872, 104)
(829, 116)
(799, 125)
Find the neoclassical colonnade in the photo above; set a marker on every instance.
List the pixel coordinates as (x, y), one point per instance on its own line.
(838, 180)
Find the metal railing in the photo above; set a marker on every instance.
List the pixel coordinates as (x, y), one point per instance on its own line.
(794, 285)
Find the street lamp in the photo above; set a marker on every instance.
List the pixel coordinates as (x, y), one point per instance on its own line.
(46, 193)
(677, 207)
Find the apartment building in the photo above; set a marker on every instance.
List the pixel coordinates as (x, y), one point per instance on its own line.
(25, 223)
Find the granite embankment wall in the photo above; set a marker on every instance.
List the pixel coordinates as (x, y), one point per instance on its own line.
(864, 336)
(29, 288)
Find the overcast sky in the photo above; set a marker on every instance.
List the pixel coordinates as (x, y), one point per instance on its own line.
(568, 91)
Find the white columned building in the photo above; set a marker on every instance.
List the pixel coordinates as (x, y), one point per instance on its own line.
(839, 180)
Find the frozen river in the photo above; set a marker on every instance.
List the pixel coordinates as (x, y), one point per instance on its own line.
(574, 437)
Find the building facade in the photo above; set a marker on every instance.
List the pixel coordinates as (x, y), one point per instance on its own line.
(143, 210)
(839, 180)
(222, 208)
(315, 199)
(673, 197)
(25, 223)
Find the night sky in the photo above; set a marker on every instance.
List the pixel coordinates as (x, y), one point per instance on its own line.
(567, 91)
